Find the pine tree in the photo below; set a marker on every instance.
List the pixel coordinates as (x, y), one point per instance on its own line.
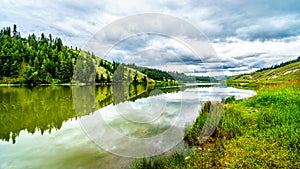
(15, 32)
(135, 81)
(144, 80)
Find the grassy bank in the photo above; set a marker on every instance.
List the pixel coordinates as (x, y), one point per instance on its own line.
(259, 132)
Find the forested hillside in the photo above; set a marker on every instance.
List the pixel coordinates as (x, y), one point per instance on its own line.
(34, 59)
(170, 76)
(46, 60)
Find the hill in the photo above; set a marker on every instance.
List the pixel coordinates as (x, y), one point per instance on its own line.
(287, 71)
(46, 60)
(172, 76)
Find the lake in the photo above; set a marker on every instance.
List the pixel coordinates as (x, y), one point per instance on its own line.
(98, 126)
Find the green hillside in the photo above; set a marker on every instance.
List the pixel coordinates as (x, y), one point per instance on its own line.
(257, 132)
(288, 71)
(46, 60)
(89, 68)
(36, 60)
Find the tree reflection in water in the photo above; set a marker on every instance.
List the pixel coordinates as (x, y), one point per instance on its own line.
(46, 108)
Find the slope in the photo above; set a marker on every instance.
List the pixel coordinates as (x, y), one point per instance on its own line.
(290, 71)
(46, 60)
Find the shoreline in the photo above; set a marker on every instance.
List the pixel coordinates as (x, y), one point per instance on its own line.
(253, 132)
(159, 83)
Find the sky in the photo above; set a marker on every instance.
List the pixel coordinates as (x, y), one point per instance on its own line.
(245, 35)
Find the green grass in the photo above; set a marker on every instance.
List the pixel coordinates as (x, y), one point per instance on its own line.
(286, 73)
(259, 132)
(270, 136)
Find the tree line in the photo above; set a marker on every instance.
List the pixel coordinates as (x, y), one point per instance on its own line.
(34, 60)
(280, 65)
(46, 60)
(160, 75)
(154, 74)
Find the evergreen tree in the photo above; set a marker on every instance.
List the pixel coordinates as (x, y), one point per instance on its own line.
(15, 32)
(135, 81)
(35, 60)
(97, 80)
(102, 78)
(144, 80)
(108, 79)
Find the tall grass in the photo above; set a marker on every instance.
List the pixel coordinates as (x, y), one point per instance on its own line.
(177, 159)
(259, 132)
(270, 136)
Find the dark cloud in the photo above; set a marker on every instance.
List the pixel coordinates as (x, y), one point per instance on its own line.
(255, 56)
(251, 20)
(249, 34)
(234, 17)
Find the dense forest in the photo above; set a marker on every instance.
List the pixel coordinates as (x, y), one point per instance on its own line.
(34, 60)
(46, 60)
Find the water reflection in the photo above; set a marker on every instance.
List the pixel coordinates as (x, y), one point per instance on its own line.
(59, 141)
(41, 109)
(46, 108)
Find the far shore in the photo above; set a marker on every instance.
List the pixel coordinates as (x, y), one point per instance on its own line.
(96, 84)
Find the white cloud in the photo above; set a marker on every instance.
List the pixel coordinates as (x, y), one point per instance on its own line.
(245, 35)
(256, 54)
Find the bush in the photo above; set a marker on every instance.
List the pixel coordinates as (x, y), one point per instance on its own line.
(229, 99)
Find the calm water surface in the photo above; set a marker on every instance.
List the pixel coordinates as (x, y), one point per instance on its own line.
(46, 127)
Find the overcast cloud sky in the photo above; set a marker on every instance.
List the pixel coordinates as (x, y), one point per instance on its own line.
(246, 35)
